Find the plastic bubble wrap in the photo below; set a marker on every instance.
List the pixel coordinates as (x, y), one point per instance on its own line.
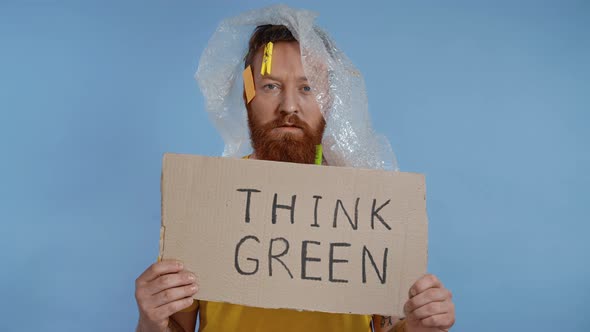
(339, 88)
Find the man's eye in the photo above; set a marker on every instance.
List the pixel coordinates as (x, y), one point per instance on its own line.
(270, 86)
(307, 88)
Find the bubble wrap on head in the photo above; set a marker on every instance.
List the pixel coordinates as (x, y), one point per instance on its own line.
(349, 139)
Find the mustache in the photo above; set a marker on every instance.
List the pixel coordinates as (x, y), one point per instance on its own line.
(290, 120)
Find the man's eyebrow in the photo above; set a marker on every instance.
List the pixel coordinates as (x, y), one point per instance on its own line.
(274, 78)
(270, 77)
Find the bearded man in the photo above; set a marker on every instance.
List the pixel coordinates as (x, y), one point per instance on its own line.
(286, 111)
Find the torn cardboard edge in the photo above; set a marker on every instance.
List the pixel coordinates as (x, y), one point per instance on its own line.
(162, 233)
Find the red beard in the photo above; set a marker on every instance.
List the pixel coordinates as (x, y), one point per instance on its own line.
(288, 147)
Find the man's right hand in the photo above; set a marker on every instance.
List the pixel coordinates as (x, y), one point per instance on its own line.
(161, 290)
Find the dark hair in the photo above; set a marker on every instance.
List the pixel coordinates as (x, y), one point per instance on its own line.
(264, 34)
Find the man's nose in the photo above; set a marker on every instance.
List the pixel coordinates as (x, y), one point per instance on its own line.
(289, 103)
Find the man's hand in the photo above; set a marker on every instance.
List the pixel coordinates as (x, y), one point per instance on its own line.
(161, 290)
(430, 307)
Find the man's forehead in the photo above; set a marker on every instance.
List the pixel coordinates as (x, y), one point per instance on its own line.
(315, 63)
(280, 50)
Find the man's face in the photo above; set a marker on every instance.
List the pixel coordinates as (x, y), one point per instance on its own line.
(284, 118)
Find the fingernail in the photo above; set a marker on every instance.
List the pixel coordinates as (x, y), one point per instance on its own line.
(193, 288)
(180, 266)
(413, 292)
(191, 277)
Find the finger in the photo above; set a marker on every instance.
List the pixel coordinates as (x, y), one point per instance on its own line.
(428, 296)
(160, 268)
(174, 294)
(424, 283)
(171, 280)
(173, 307)
(430, 309)
(442, 321)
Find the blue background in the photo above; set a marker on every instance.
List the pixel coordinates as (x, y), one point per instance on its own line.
(489, 99)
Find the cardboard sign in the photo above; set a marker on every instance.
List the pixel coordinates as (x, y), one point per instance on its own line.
(283, 235)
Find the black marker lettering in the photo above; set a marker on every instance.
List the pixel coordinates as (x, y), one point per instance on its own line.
(356, 213)
(375, 213)
(305, 259)
(381, 278)
(237, 264)
(249, 191)
(276, 206)
(315, 211)
(332, 261)
(271, 256)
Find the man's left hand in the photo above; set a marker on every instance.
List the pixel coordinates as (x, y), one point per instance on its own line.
(430, 307)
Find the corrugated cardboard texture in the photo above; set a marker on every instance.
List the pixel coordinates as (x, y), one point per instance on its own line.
(329, 265)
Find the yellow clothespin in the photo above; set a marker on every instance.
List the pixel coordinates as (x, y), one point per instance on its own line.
(249, 84)
(267, 60)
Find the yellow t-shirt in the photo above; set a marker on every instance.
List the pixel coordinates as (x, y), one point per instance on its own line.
(215, 316)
